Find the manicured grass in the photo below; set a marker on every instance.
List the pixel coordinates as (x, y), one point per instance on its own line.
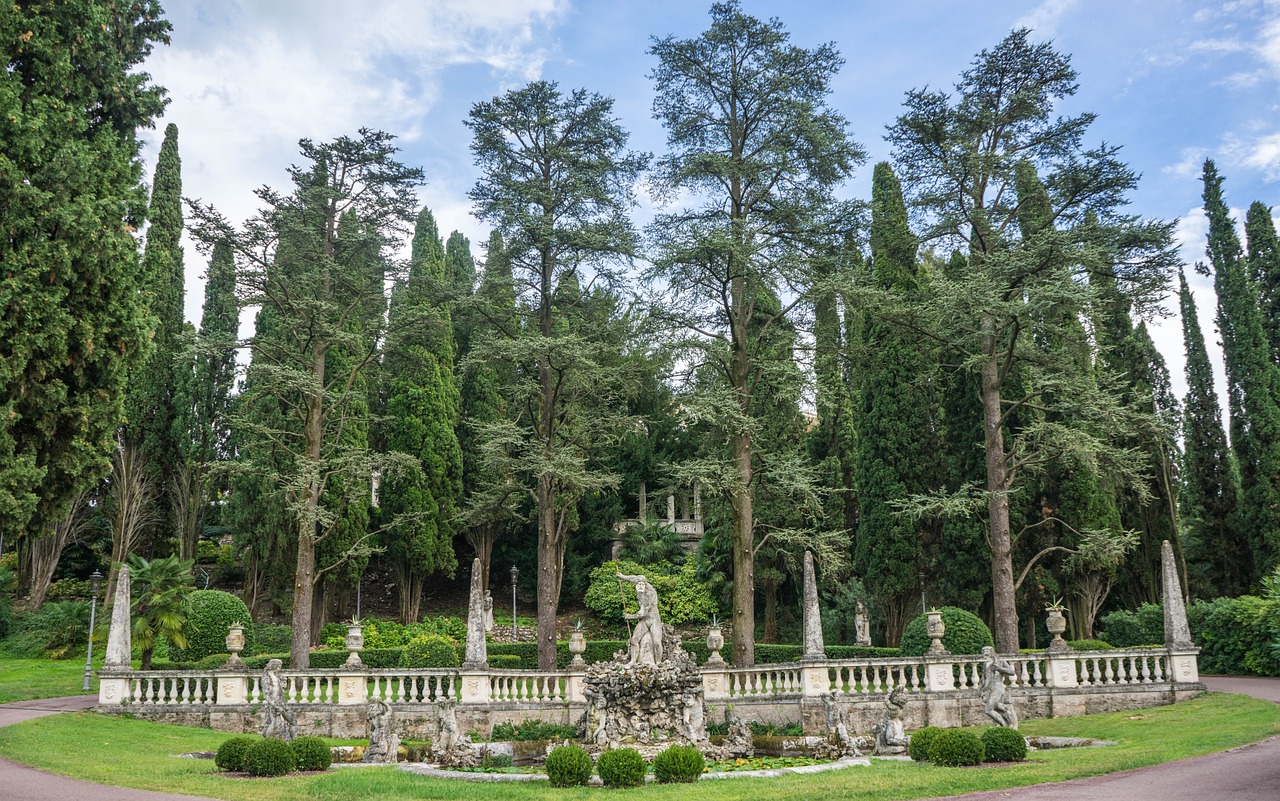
(24, 679)
(133, 753)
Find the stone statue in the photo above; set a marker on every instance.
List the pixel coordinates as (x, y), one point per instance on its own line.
(278, 721)
(694, 715)
(645, 646)
(846, 744)
(383, 742)
(449, 746)
(597, 717)
(861, 625)
(488, 611)
(891, 737)
(739, 743)
(995, 695)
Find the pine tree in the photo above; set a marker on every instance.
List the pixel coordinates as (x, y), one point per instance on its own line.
(72, 323)
(1253, 382)
(460, 271)
(1264, 268)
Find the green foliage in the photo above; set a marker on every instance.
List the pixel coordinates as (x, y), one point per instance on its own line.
(568, 766)
(377, 658)
(965, 633)
(1236, 635)
(621, 767)
(1124, 628)
(259, 661)
(491, 761)
(679, 764)
(270, 638)
(921, 741)
(431, 651)
(391, 634)
(160, 588)
(57, 630)
(232, 753)
(1090, 645)
(312, 753)
(533, 730)
(210, 614)
(955, 748)
(682, 598)
(270, 757)
(68, 589)
(1003, 745)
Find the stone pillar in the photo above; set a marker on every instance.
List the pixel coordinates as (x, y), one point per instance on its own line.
(477, 686)
(477, 655)
(1177, 633)
(671, 510)
(697, 501)
(233, 688)
(119, 639)
(574, 687)
(112, 689)
(715, 683)
(939, 675)
(1184, 667)
(814, 680)
(813, 647)
(353, 688)
(644, 502)
(1061, 667)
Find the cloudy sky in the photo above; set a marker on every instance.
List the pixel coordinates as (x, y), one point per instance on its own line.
(1173, 81)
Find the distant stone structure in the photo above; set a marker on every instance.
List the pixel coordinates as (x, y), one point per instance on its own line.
(891, 736)
(476, 656)
(488, 611)
(861, 625)
(996, 701)
(383, 742)
(687, 524)
(278, 721)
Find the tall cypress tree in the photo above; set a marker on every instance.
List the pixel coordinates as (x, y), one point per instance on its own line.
(422, 412)
(1217, 552)
(1264, 268)
(460, 272)
(1253, 381)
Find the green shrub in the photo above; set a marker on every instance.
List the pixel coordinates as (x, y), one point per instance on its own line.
(679, 763)
(682, 598)
(1124, 628)
(533, 730)
(231, 754)
(69, 589)
(210, 614)
(269, 758)
(268, 638)
(965, 634)
(57, 630)
(312, 753)
(568, 766)
(1090, 645)
(503, 661)
(918, 748)
(621, 767)
(431, 651)
(1234, 635)
(1003, 745)
(259, 661)
(956, 748)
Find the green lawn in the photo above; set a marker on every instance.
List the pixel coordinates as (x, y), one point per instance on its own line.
(133, 753)
(24, 679)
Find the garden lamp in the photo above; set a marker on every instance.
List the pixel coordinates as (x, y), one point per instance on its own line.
(95, 584)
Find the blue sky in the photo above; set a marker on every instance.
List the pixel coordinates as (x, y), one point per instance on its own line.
(1172, 81)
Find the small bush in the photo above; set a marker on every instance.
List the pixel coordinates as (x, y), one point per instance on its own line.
(269, 758)
(210, 614)
(679, 763)
(965, 633)
(259, 661)
(621, 767)
(1090, 645)
(1124, 628)
(231, 754)
(533, 730)
(268, 638)
(956, 748)
(568, 766)
(1003, 745)
(920, 742)
(431, 651)
(491, 761)
(312, 753)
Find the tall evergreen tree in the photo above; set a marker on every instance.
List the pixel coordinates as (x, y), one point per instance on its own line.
(460, 270)
(1264, 268)
(751, 141)
(422, 408)
(72, 322)
(1253, 381)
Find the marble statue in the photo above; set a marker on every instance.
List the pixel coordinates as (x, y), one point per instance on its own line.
(449, 746)
(996, 701)
(488, 611)
(861, 625)
(278, 721)
(383, 742)
(645, 645)
(891, 737)
(846, 744)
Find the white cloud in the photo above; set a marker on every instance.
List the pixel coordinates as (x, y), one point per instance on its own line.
(1044, 18)
(1261, 153)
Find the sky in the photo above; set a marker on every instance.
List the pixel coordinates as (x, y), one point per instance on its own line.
(1172, 81)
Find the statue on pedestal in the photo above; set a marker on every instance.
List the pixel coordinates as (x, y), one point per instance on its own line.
(645, 645)
(891, 737)
(861, 625)
(996, 701)
(278, 721)
(383, 742)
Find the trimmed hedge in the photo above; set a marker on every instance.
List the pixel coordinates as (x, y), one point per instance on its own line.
(1090, 645)
(210, 614)
(270, 757)
(431, 651)
(568, 766)
(621, 767)
(1003, 745)
(377, 658)
(260, 661)
(679, 764)
(231, 754)
(312, 753)
(956, 748)
(1235, 635)
(965, 634)
(271, 638)
(918, 748)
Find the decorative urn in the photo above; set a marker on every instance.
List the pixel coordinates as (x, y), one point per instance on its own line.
(354, 643)
(1056, 623)
(935, 628)
(577, 646)
(715, 641)
(235, 644)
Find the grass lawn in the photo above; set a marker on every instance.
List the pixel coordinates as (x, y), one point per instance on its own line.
(133, 753)
(24, 679)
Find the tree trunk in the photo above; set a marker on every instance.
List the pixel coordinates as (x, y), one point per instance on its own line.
(481, 538)
(38, 559)
(409, 587)
(744, 596)
(187, 507)
(1003, 596)
(770, 634)
(304, 576)
(897, 614)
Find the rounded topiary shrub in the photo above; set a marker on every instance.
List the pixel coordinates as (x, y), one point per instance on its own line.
(956, 748)
(210, 614)
(568, 766)
(1004, 745)
(621, 767)
(431, 651)
(918, 748)
(965, 634)
(269, 758)
(679, 763)
(312, 753)
(232, 752)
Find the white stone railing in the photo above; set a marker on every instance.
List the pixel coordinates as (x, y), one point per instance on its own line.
(847, 678)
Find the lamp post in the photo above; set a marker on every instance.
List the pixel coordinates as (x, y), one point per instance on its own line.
(515, 576)
(923, 608)
(95, 583)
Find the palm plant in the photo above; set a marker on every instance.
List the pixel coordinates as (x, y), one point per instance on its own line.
(158, 614)
(653, 542)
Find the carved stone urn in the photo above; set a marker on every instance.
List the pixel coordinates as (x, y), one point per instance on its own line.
(1056, 623)
(935, 628)
(715, 641)
(235, 644)
(577, 647)
(354, 643)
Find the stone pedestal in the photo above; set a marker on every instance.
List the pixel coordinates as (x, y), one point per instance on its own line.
(352, 689)
(112, 690)
(573, 688)
(815, 680)
(715, 685)
(233, 689)
(1184, 666)
(476, 687)
(1062, 671)
(939, 675)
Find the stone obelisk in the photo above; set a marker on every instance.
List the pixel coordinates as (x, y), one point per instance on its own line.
(1177, 633)
(119, 639)
(477, 654)
(813, 646)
